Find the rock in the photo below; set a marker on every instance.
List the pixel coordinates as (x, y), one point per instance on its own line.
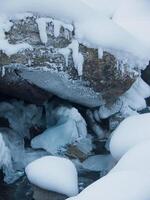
(52, 67)
(19, 190)
(40, 194)
(15, 86)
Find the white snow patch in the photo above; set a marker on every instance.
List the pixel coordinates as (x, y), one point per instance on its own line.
(54, 174)
(136, 159)
(129, 133)
(118, 186)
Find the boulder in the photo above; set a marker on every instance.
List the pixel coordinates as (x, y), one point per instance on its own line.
(57, 64)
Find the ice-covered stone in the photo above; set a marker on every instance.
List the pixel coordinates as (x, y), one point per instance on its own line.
(101, 163)
(55, 70)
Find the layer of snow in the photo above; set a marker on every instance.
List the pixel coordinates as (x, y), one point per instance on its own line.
(54, 174)
(118, 186)
(130, 132)
(134, 16)
(136, 159)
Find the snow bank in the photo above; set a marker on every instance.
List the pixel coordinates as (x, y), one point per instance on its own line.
(118, 186)
(130, 132)
(134, 16)
(54, 174)
(136, 159)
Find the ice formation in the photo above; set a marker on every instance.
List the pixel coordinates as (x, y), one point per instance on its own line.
(6, 160)
(42, 25)
(130, 132)
(70, 127)
(76, 55)
(54, 174)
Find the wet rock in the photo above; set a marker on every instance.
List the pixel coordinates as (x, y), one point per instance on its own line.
(40, 194)
(50, 67)
(20, 190)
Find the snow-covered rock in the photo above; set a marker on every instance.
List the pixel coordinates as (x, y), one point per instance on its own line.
(120, 185)
(136, 159)
(54, 174)
(57, 67)
(131, 131)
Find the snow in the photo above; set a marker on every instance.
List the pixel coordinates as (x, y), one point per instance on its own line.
(135, 96)
(130, 102)
(136, 159)
(54, 174)
(7, 48)
(130, 132)
(134, 17)
(100, 30)
(118, 186)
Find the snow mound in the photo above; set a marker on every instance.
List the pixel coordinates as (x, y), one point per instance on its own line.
(130, 132)
(118, 186)
(136, 159)
(54, 174)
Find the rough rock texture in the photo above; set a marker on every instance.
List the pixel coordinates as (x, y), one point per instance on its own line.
(46, 67)
(40, 194)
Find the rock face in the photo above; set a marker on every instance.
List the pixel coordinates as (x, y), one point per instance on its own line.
(52, 65)
(40, 194)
